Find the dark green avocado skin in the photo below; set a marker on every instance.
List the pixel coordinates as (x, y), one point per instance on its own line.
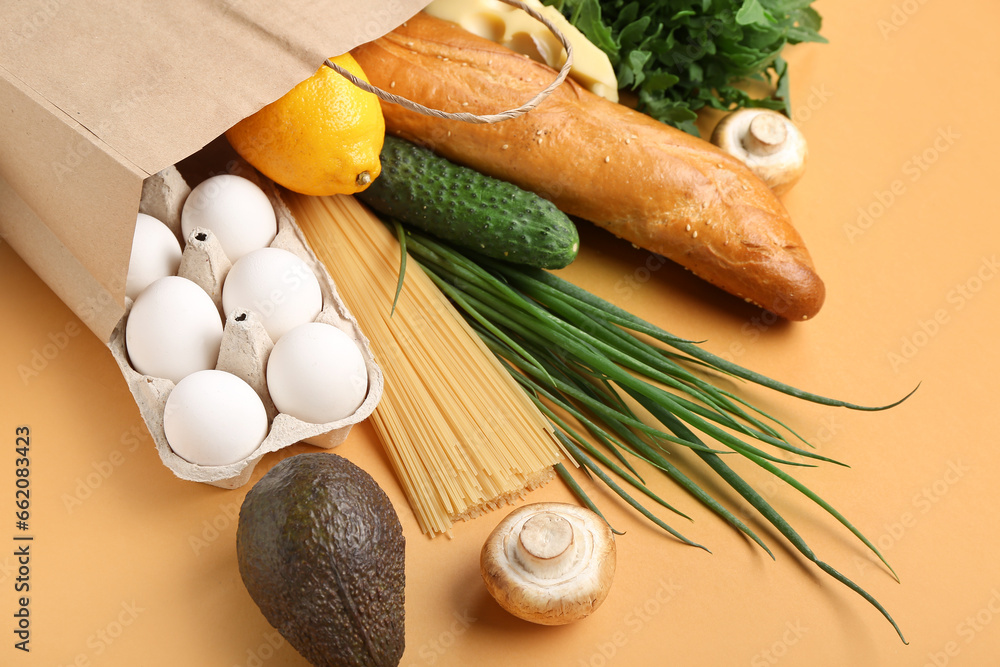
(321, 552)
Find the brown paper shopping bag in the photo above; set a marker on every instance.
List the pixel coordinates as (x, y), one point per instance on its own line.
(97, 96)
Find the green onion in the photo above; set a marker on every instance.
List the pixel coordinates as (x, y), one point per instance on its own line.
(577, 355)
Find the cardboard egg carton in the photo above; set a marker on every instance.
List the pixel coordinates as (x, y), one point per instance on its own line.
(245, 343)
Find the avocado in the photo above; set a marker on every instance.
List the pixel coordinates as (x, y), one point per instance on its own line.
(321, 552)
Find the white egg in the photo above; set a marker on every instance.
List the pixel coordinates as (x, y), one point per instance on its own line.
(277, 285)
(155, 253)
(214, 418)
(316, 373)
(173, 329)
(236, 211)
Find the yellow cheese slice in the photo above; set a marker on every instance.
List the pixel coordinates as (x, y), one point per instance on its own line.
(518, 31)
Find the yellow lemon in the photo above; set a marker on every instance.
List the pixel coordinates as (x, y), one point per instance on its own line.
(322, 138)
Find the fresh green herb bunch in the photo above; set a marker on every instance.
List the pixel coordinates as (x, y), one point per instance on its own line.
(679, 56)
(581, 359)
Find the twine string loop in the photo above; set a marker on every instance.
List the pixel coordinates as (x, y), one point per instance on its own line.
(470, 117)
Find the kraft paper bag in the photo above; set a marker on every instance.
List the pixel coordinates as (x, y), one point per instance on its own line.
(96, 96)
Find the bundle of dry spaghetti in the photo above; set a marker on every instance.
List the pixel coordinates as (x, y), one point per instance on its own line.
(461, 434)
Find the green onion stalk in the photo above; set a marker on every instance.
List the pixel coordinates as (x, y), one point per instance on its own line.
(584, 361)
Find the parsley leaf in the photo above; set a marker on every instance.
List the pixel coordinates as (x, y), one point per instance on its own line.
(679, 56)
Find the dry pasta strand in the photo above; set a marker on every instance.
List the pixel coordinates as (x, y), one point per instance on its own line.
(461, 435)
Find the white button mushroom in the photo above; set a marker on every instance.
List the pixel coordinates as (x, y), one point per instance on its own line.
(549, 563)
(768, 142)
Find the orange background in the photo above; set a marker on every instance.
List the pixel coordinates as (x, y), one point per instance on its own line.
(131, 566)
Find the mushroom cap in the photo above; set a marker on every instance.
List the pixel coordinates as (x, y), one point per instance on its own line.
(549, 563)
(766, 141)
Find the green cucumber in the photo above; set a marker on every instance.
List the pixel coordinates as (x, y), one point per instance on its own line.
(470, 209)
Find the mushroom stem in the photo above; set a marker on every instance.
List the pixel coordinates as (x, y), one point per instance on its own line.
(549, 563)
(543, 545)
(765, 135)
(767, 142)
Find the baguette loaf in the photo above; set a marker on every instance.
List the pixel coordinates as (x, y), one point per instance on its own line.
(655, 186)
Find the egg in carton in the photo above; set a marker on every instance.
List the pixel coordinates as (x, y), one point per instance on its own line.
(245, 343)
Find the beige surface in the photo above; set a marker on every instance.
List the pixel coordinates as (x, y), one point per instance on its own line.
(131, 566)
